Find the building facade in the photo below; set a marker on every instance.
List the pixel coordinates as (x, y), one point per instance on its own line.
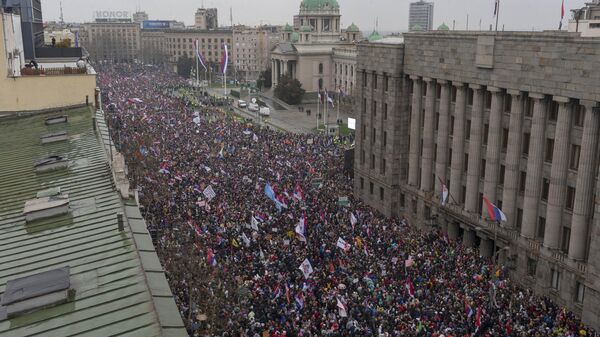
(180, 42)
(32, 24)
(252, 49)
(502, 116)
(586, 20)
(139, 17)
(420, 16)
(307, 53)
(115, 41)
(206, 18)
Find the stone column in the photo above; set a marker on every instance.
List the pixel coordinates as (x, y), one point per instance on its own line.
(475, 139)
(452, 230)
(492, 157)
(428, 137)
(273, 73)
(285, 68)
(458, 143)
(558, 174)
(486, 247)
(535, 166)
(441, 163)
(468, 238)
(584, 196)
(513, 158)
(415, 132)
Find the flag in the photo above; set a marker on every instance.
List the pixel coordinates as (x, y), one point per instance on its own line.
(306, 268)
(246, 240)
(445, 193)
(254, 223)
(209, 193)
(199, 56)
(299, 300)
(342, 308)
(562, 14)
(221, 152)
(287, 293)
(269, 192)
(300, 228)
(341, 243)
(353, 219)
(409, 262)
(493, 211)
(409, 288)
(496, 7)
(225, 60)
(210, 257)
(478, 317)
(298, 195)
(329, 99)
(319, 96)
(468, 309)
(255, 137)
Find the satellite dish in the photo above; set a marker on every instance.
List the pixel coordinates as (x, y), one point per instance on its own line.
(254, 100)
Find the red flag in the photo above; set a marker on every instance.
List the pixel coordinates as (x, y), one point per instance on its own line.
(410, 288)
(478, 317)
(562, 10)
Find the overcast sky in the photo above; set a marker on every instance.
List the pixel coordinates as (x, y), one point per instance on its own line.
(392, 14)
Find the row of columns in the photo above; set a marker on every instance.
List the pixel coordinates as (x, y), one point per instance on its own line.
(280, 68)
(428, 170)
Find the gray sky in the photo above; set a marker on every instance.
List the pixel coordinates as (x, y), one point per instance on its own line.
(392, 14)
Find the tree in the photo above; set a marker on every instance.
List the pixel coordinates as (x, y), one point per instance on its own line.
(265, 79)
(289, 90)
(184, 66)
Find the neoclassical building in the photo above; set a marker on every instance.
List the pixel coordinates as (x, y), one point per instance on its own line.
(317, 51)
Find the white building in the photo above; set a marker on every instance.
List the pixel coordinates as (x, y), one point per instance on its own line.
(586, 20)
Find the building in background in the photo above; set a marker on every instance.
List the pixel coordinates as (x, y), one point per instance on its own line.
(59, 36)
(180, 43)
(586, 20)
(32, 24)
(252, 49)
(307, 53)
(139, 17)
(467, 111)
(420, 16)
(206, 18)
(113, 36)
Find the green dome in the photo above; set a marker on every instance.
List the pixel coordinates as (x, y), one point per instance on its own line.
(443, 27)
(417, 28)
(306, 29)
(375, 36)
(295, 37)
(353, 28)
(319, 4)
(288, 28)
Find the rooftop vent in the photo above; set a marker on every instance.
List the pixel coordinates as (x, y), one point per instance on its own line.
(51, 163)
(48, 203)
(54, 137)
(35, 292)
(56, 120)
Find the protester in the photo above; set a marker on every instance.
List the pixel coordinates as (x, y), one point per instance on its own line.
(254, 242)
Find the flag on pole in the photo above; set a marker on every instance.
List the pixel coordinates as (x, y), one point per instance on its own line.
(409, 288)
(254, 223)
(445, 193)
(298, 195)
(468, 309)
(329, 99)
(342, 308)
(199, 56)
(353, 219)
(306, 268)
(210, 257)
(496, 7)
(225, 59)
(341, 243)
(320, 97)
(209, 193)
(493, 211)
(562, 14)
(300, 228)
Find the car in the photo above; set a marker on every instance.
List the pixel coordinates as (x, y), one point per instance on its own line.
(242, 104)
(253, 107)
(265, 111)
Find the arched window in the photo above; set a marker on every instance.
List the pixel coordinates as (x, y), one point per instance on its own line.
(320, 68)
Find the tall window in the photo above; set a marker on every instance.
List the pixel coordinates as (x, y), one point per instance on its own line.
(549, 150)
(570, 202)
(574, 158)
(320, 68)
(566, 238)
(526, 139)
(555, 279)
(326, 25)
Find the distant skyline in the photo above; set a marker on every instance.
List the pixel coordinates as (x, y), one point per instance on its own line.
(392, 15)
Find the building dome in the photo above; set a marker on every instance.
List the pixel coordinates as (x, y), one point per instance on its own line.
(443, 27)
(288, 28)
(353, 28)
(417, 28)
(294, 37)
(306, 29)
(319, 4)
(375, 36)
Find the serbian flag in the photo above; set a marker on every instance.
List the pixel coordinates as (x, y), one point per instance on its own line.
(468, 309)
(210, 257)
(409, 288)
(298, 195)
(478, 317)
(562, 14)
(493, 211)
(199, 56)
(225, 59)
(329, 99)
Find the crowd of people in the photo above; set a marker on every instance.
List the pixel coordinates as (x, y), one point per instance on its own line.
(255, 242)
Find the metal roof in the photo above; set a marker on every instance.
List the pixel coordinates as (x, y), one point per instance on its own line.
(119, 284)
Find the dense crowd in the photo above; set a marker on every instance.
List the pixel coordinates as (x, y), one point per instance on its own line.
(255, 242)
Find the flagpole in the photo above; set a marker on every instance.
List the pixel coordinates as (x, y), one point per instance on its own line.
(497, 14)
(318, 106)
(337, 119)
(197, 68)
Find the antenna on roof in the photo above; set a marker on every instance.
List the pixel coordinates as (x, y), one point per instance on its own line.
(231, 16)
(62, 18)
(377, 24)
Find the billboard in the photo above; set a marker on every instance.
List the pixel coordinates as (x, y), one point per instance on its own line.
(156, 24)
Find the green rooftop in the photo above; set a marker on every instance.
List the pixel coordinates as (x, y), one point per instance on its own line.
(375, 36)
(117, 285)
(319, 4)
(443, 26)
(288, 28)
(353, 28)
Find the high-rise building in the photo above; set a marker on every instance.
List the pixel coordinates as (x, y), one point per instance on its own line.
(207, 18)
(420, 16)
(473, 118)
(32, 24)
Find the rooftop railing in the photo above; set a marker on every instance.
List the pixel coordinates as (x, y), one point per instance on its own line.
(53, 71)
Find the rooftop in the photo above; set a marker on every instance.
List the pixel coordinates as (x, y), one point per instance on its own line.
(115, 282)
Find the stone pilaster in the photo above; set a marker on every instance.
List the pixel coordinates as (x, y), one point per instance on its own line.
(475, 140)
(428, 136)
(535, 165)
(458, 143)
(492, 157)
(441, 163)
(584, 196)
(415, 132)
(558, 174)
(513, 158)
